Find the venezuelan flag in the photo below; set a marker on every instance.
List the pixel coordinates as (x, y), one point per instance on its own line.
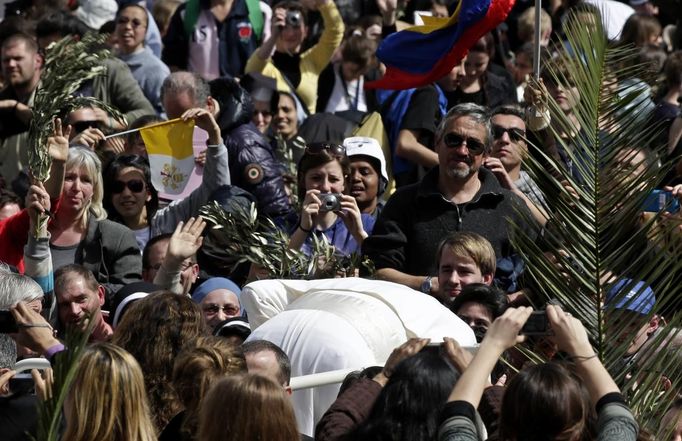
(420, 55)
(171, 154)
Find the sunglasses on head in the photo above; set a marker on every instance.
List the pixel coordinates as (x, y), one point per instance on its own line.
(454, 140)
(318, 147)
(515, 134)
(134, 185)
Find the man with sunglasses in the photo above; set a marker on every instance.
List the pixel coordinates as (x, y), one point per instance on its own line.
(509, 150)
(457, 195)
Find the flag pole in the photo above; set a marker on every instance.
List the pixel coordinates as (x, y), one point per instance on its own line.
(536, 40)
(122, 133)
(170, 121)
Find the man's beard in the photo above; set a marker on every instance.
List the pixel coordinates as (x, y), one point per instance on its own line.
(462, 172)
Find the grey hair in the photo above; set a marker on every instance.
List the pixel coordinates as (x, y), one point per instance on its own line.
(187, 82)
(15, 288)
(478, 113)
(8, 352)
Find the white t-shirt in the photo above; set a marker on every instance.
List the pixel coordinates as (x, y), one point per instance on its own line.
(346, 95)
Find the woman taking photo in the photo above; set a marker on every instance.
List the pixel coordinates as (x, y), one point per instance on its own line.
(556, 403)
(327, 209)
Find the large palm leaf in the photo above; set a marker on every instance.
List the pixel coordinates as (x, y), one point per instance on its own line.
(600, 237)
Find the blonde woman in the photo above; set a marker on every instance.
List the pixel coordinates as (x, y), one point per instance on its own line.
(107, 400)
(78, 230)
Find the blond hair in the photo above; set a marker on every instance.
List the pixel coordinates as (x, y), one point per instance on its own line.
(526, 24)
(84, 158)
(473, 246)
(107, 400)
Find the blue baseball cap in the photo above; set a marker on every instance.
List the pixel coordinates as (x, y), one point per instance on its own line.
(640, 298)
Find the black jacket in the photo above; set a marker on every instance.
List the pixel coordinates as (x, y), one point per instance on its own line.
(252, 161)
(417, 218)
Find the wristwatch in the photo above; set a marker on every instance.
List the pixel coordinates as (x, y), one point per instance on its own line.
(426, 285)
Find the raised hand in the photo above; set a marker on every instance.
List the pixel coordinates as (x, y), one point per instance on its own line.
(186, 239)
(204, 120)
(352, 217)
(496, 166)
(58, 143)
(310, 209)
(37, 202)
(569, 334)
(89, 137)
(407, 349)
(460, 357)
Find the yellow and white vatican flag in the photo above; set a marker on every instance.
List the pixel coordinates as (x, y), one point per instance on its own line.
(171, 156)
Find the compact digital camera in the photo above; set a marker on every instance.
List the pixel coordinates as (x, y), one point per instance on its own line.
(294, 19)
(330, 202)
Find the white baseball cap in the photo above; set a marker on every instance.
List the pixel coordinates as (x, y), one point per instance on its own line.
(365, 146)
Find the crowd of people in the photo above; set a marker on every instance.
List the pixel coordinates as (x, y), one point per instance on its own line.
(427, 184)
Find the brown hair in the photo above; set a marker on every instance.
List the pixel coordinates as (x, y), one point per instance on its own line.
(547, 399)
(256, 406)
(672, 70)
(153, 330)
(359, 49)
(309, 161)
(638, 30)
(200, 364)
(67, 272)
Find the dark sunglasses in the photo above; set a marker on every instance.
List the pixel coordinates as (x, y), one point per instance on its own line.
(515, 134)
(80, 126)
(454, 140)
(134, 185)
(318, 147)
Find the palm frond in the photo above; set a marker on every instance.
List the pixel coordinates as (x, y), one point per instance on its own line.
(69, 63)
(594, 241)
(248, 237)
(64, 368)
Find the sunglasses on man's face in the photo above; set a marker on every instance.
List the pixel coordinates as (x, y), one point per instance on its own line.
(134, 185)
(80, 126)
(318, 147)
(515, 134)
(455, 140)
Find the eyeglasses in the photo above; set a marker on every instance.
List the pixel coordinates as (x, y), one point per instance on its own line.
(515, 134)
(454, 140)
(134, 185)
(213, 308)
(134, 23)
(317, 148)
